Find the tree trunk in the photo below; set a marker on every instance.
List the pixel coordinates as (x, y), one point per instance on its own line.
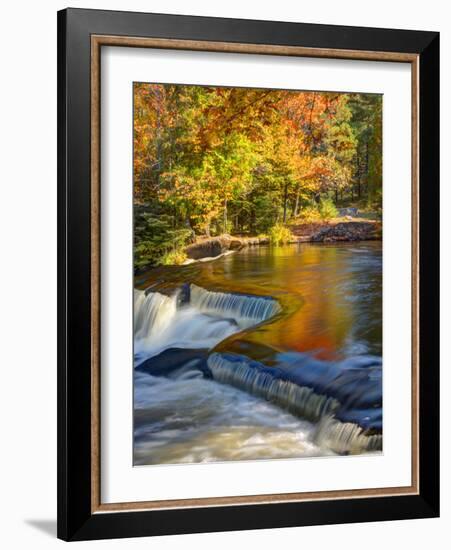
(296, 205)
(359, 182)
(159, 149)
(285, 200)
(225, 216)
(252, 222)
(367, 169)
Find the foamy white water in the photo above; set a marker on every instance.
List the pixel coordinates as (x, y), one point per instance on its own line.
(193, 419)
(342, 437)
(162, 322)
(187, 418)
(246, 411)
(246, 310)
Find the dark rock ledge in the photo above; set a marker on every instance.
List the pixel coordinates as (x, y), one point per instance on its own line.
(317, 232)
(215, 246)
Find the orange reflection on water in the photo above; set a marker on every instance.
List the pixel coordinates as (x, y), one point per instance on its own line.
(331, 295)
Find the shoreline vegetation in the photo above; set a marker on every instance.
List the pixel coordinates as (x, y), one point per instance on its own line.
(279, 166)
(341, 229)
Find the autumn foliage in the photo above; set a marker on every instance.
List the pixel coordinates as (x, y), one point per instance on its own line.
(211, 160)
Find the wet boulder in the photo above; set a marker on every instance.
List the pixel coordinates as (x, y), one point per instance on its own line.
(172, 360)
(211, 247)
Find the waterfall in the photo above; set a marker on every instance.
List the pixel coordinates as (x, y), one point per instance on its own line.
(260, 381)
(345, 437)
(180, 420)
(199, 320)
(196, 320)
(246, 310)
(153, 313)
(266, 382)
(161, 324)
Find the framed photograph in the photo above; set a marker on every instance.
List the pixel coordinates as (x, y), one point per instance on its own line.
(248, 274)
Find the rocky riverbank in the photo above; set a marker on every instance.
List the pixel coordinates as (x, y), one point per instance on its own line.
(341, 230)
(216, 246)
(335, 231)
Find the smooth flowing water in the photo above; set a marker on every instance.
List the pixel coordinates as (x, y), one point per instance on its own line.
(270, 352)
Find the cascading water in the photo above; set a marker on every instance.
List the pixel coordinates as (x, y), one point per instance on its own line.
(246, 310)
(203, 420)
(272, 384)
(254, 379)
(185, 420)
(198, 322)
(345, 437)
(153, 314)
(266, 392)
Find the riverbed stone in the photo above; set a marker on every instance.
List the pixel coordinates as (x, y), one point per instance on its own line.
(208, 248)
(347, 231)
(171, 360)
(236, 244)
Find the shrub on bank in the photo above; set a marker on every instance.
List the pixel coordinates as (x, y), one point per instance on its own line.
(174, 257)
(327, 209)
(310, 214)
(280, 234)
(317, 213)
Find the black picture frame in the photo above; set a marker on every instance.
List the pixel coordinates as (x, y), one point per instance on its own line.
(76, 520)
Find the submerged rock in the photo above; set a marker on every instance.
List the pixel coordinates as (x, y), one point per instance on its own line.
(171, 360)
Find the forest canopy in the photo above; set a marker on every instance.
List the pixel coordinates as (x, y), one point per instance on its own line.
(213, 160)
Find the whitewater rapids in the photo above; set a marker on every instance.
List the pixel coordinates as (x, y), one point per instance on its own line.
(187, 418)
(205, 406)
(162, 322)
(190, 419)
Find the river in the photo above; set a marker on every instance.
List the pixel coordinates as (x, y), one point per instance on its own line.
(270, 352)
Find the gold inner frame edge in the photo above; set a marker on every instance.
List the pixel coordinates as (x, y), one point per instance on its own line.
(97, 41)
